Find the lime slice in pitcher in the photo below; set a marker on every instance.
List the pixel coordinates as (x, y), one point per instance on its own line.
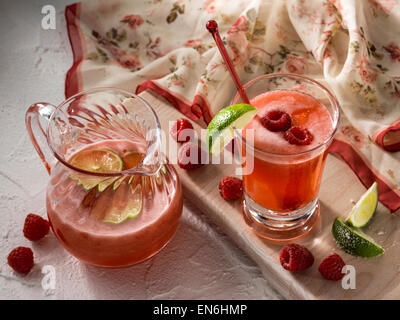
(365, 208)
(132, 158)
(97, 160)
(116, 206)
(220, 130)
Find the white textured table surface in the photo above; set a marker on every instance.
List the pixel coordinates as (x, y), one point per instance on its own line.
(199, 263)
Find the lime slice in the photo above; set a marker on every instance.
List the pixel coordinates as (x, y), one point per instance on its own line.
(118, 182)
(116, 206)
(131, 210)
(220, 130)
(104, 184)
(354, 241)
(132, 158)
(97, 160)
(365, 208)
(87, 182)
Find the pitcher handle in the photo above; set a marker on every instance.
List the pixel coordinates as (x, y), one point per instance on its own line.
(37, 119)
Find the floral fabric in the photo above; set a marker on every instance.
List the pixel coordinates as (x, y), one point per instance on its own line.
(351, 46)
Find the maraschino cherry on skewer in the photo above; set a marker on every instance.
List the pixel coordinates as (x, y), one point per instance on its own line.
(212, 27)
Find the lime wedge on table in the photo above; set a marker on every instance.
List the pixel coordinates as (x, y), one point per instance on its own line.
(365, 208)
(96, 160)
(220, 130)
(354, 241)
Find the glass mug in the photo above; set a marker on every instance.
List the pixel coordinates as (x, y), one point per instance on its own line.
(281, 191)
(111, 218)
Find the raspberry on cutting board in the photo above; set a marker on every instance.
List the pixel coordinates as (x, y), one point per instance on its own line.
(191, 156)
(295, 257)
(331, 267)
(182, 130)
(231, 188)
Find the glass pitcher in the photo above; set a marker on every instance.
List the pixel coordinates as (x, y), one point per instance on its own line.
(112, 200)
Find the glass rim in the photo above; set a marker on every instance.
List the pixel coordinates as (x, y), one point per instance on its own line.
(302, 77)
(102, 174)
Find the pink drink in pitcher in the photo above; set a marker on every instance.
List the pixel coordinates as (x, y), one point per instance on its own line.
(112, 200)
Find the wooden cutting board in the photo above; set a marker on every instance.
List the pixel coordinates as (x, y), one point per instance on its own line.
(376, 278)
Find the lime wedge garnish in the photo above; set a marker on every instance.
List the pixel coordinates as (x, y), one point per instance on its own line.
(365, 208)
(97, 160)
(220, 130)
(354, 241)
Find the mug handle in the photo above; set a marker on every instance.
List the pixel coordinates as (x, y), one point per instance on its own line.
(37, 119)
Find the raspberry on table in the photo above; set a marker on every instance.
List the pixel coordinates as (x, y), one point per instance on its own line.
(21, 259)
(191, 156)
(277, 120)
(299, 136)
(35, 227)
(231, 188)
(331, 267)
(182, 130)
(295, 257)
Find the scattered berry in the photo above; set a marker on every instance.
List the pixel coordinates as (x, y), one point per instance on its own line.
(177, 130)
(231, 188)
(331, 267)
(277, 120)
(191, 156)
(295, 257)
(21, 259)
(298, 135)
(35, 227)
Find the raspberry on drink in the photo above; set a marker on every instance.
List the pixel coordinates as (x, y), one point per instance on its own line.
(231, 188)
(299, 136)
(21, 259)
(277, 120)
(182, 130)
(295, 257)
(35, 227)
(331, 267)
